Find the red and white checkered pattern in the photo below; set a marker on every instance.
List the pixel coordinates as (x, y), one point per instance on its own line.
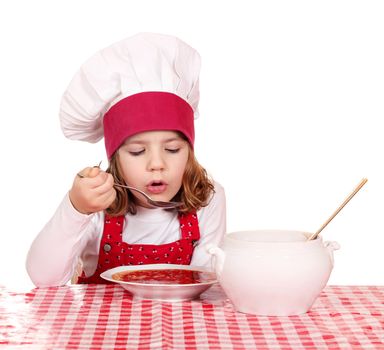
(106, 317)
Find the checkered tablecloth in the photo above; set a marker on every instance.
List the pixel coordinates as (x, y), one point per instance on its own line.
(106, 317)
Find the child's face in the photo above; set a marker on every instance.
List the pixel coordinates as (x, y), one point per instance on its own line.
(154, 162)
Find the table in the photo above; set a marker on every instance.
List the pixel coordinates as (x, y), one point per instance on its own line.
(107, 317)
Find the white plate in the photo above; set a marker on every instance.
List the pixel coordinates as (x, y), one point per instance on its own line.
(167, 292)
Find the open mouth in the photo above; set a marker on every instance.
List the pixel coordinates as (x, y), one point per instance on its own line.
(157, 186)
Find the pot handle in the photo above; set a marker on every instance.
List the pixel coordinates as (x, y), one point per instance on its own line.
(331, 246)
(219, 255)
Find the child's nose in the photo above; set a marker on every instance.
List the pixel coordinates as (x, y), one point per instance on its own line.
(156, 162)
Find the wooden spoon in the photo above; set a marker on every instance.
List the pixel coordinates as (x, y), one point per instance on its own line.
(359, 186)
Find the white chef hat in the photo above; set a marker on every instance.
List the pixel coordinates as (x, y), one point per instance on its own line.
(145, 82)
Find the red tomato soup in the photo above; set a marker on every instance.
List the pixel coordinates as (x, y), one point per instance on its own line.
(166, 276)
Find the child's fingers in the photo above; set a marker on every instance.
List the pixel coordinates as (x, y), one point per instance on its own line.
(92, 190)
(101, 201)
(95, 179)
(89, 172)
(87, 199)
(106, 185)
(94, 171)
(107, 198)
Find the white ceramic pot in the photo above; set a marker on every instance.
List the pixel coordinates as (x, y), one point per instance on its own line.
(273, 272)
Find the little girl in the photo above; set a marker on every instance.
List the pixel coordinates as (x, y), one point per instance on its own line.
(141, 94)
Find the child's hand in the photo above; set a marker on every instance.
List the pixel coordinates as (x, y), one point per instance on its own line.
(93, 192)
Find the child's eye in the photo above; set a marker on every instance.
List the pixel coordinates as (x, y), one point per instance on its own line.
(172, 150)
(135, 153)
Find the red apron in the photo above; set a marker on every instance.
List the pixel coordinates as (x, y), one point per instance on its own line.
(114, 252)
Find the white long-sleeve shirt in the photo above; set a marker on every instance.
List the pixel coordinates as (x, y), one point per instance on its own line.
(71, 236)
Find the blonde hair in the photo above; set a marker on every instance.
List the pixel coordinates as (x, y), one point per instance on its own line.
(195, 191)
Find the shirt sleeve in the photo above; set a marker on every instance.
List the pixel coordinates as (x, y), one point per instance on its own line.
(212, 224)
(54, 253)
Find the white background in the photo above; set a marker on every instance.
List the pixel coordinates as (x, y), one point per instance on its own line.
(291, 109)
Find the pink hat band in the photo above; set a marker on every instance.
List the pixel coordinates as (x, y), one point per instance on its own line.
(147, 111)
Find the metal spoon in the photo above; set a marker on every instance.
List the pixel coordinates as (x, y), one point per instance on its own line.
(159, 204)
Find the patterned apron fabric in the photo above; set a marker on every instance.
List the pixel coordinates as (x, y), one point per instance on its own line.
(114, 252)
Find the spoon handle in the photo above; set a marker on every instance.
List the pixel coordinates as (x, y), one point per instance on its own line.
(357, 189)
(160, 204)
